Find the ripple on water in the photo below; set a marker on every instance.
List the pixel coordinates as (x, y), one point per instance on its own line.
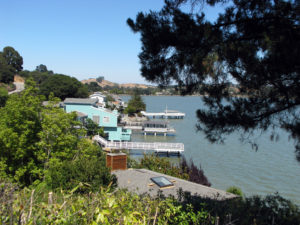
(272, 168)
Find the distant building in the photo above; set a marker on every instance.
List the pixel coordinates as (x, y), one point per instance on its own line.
(101, 98)
(103, 117)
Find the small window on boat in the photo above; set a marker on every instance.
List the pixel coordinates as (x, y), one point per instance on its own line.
(162, 182)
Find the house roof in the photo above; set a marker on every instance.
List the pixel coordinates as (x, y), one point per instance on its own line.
(139, 181)
(97, 95)
(88, 101)
(46, 103)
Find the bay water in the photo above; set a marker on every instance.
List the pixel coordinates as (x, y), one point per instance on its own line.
(272, 168)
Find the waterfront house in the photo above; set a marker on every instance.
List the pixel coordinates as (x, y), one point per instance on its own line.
(101, 98)
(102, 116)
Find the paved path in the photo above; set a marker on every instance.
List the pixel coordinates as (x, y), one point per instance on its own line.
(19, 87)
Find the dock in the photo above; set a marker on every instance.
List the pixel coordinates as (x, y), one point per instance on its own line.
(155, 128)
(167, 114)
(158, 147)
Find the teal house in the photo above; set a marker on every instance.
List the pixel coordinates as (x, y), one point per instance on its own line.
(104, 117)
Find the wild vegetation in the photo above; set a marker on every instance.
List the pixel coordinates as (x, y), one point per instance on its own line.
(40, 206)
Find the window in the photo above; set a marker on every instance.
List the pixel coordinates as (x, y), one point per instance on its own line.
(106, 119)
(162, 182)
(96, 119)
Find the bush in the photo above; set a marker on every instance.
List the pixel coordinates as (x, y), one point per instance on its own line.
(235, 190)
(3, 96)
(120, 207)
(271, 209)
(88, 170)
(184, 170)
(196, 174)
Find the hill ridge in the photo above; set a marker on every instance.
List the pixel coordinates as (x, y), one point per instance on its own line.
(111, 84)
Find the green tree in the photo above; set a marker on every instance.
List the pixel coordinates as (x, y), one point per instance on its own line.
(7, 72)
(100, 79)
(41, 68)
(13, 58)
(254, 44)
(38, 77)
(20, 124)
(93, 128)
(135, 104)
(3, 96)
(87, 167)
(63, 87)
(59, 134)
(31, 135)
(93, 87)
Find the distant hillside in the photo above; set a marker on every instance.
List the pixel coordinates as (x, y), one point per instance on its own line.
(111, 84)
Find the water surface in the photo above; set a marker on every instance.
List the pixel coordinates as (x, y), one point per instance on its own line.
(273, 168)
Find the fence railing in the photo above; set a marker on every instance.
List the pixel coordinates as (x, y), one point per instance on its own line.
(156, 146)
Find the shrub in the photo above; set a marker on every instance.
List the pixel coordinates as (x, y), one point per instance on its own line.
(88, 169)
(196, 174)
(120, 207)
(235, 190)
(184, 170)
(3, 96)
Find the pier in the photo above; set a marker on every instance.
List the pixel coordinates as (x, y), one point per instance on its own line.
(151, 127)
(158, 147)
(167, 114)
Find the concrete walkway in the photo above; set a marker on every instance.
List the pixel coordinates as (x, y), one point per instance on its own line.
(20, 86)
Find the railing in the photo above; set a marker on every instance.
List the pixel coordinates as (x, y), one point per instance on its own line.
(163, 114)
(156, 146)
(162, 130)
(133, 124)
(100, 140)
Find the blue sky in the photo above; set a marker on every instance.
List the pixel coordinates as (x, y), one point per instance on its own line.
(80, 38)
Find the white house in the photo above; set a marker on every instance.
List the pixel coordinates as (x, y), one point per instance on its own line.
(101, 98)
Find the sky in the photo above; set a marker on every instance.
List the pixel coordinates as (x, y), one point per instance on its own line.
(80, 38)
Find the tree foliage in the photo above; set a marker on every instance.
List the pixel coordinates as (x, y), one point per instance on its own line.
(135, 104)
(254, 44)
(7, 71)
(41, 68)
(93, 128)
(13, 58)
(36, 138)
(87, 168)
(63, 87)
(93, 87)
(100, 79)
(3, 96)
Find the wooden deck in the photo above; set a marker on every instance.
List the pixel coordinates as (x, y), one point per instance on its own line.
(159, 147)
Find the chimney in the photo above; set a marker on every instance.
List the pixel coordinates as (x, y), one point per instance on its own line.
(116, 161)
